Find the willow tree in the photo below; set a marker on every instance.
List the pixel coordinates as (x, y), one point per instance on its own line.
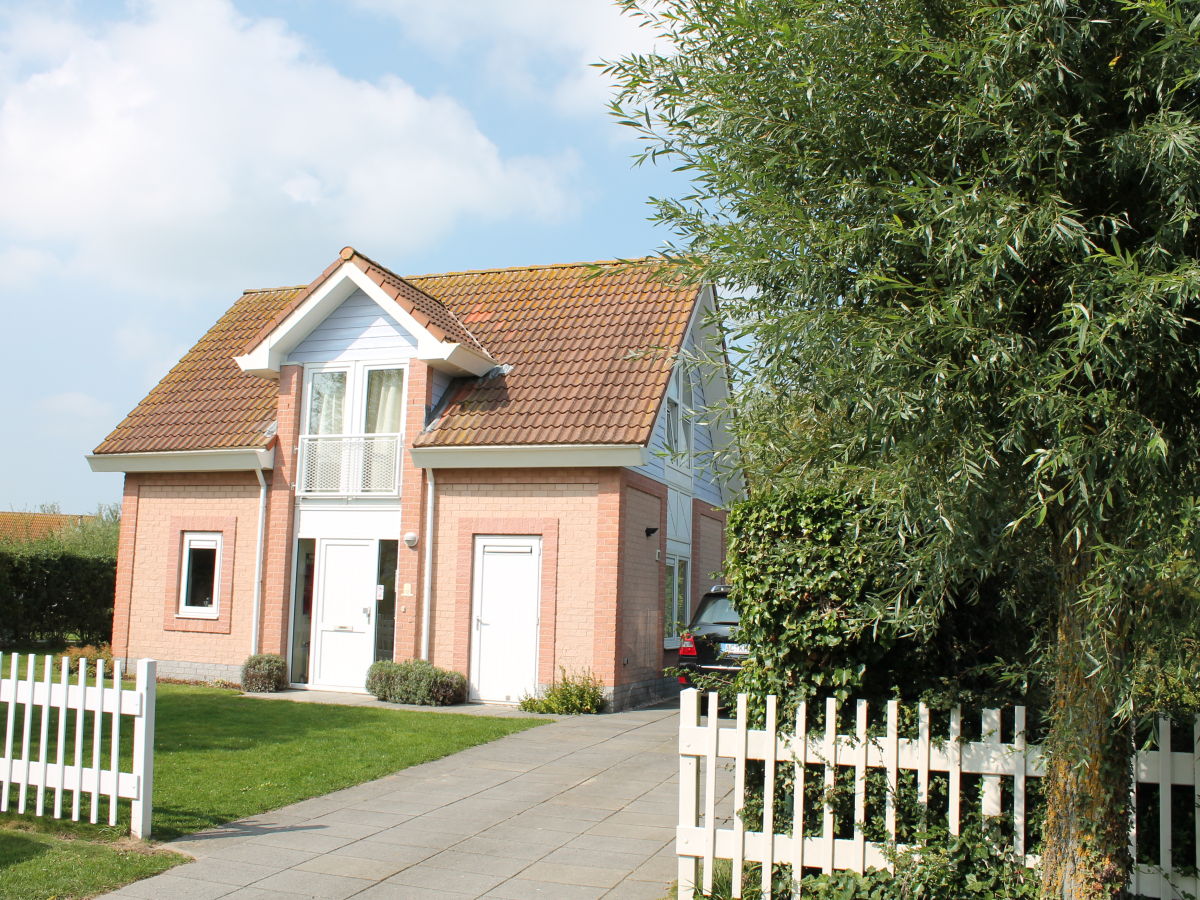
(965, 237)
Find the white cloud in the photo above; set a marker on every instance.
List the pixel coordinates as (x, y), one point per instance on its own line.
(189, 141)
(522, 38)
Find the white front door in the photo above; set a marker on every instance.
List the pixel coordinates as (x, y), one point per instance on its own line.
(344, 626)
(504, 628)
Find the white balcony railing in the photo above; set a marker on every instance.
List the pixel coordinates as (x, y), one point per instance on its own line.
(349, 464)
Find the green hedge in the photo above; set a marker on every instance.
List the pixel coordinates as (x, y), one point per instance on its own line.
(815, 574)
(51, 595)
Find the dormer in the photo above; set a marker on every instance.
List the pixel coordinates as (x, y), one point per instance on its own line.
(355, 332)
(441, 341)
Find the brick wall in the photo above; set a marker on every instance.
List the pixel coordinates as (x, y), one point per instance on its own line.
(410, 563)
(642, 582)
(164, 506)
(562, 504)
(708, 548)
(281, 506)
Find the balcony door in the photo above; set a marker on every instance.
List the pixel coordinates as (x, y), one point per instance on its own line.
(354, 421)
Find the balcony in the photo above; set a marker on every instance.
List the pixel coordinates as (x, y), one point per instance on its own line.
(349, 465)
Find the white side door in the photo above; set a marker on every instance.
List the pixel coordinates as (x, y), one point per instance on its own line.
(505, 614)
(343, 624)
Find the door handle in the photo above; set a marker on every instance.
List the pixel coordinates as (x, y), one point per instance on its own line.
(367, 613)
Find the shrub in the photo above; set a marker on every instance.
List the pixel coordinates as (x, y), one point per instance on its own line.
(380, 677)
(815, 571)
(977, 864)
(415, 681)
(91, 654)
(264, 673)
(570, 695)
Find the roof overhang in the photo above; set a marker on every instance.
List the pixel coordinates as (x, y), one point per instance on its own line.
(266, 358)
(236, 460)
(531, 456)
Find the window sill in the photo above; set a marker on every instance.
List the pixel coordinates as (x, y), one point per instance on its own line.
(198, 615)
(671, 644)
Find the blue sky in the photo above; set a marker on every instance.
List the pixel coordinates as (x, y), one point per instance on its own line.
(157, 157)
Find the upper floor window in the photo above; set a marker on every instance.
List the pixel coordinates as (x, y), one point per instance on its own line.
(353, 428)
(356, 400)
(679, 418)
(199, 587)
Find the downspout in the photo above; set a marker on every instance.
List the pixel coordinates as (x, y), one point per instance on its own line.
(427, 575)
(256, 623)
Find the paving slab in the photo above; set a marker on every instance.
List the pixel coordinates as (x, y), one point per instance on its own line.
(582, 807)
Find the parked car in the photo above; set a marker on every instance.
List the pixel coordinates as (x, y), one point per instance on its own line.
(706, 646)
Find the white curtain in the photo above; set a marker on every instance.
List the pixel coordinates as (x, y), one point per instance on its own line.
(327, 403)
(385, 401)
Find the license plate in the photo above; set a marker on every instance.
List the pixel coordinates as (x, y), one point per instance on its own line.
(734, 649)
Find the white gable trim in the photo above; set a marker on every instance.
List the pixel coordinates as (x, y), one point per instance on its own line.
(268, 356)
(238, 460)
(528, 456)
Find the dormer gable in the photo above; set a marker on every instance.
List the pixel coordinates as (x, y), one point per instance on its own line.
(441, 339)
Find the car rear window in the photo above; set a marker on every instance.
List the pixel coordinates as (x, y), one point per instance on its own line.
(716, 609)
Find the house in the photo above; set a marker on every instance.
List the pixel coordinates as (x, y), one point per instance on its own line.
(24, 527)
(500, 471)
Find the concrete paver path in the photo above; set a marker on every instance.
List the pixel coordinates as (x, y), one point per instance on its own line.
(583, 807)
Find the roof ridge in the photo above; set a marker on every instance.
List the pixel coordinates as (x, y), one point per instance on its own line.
(532, 266)
(273, 290)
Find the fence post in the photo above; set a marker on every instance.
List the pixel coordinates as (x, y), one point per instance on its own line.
(689, 790)
(143, 750)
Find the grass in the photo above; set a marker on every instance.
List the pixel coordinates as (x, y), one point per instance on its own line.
(219, 757)
(34, 865)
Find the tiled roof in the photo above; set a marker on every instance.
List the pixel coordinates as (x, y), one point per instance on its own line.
(590, 348)
(206, 402)
(586, 351)
(27, 526)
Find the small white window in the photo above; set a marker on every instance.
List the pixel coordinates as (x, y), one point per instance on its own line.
(200, 580)
(679, 419)
(675, 600)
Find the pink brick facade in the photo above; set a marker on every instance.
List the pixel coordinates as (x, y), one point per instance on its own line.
(159, 509)
(602, 577)
(562, 506)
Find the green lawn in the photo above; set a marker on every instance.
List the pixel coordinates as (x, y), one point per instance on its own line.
(218, 757)
(34, 865)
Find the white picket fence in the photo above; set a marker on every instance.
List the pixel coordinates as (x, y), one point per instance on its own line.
(709, 749)
(54, 761)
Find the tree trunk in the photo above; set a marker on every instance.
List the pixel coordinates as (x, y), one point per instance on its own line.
(1088, 774)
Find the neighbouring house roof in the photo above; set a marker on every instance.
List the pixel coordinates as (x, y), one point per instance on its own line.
(585, 351)
(28, 526)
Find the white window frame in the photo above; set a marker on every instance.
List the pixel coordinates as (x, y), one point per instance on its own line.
(681, 606)
(203, 540)
(354, 405)
(354, 423)
(678, 430)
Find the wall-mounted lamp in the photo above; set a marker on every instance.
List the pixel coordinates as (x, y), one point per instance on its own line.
(650, 532)
(410, 539)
